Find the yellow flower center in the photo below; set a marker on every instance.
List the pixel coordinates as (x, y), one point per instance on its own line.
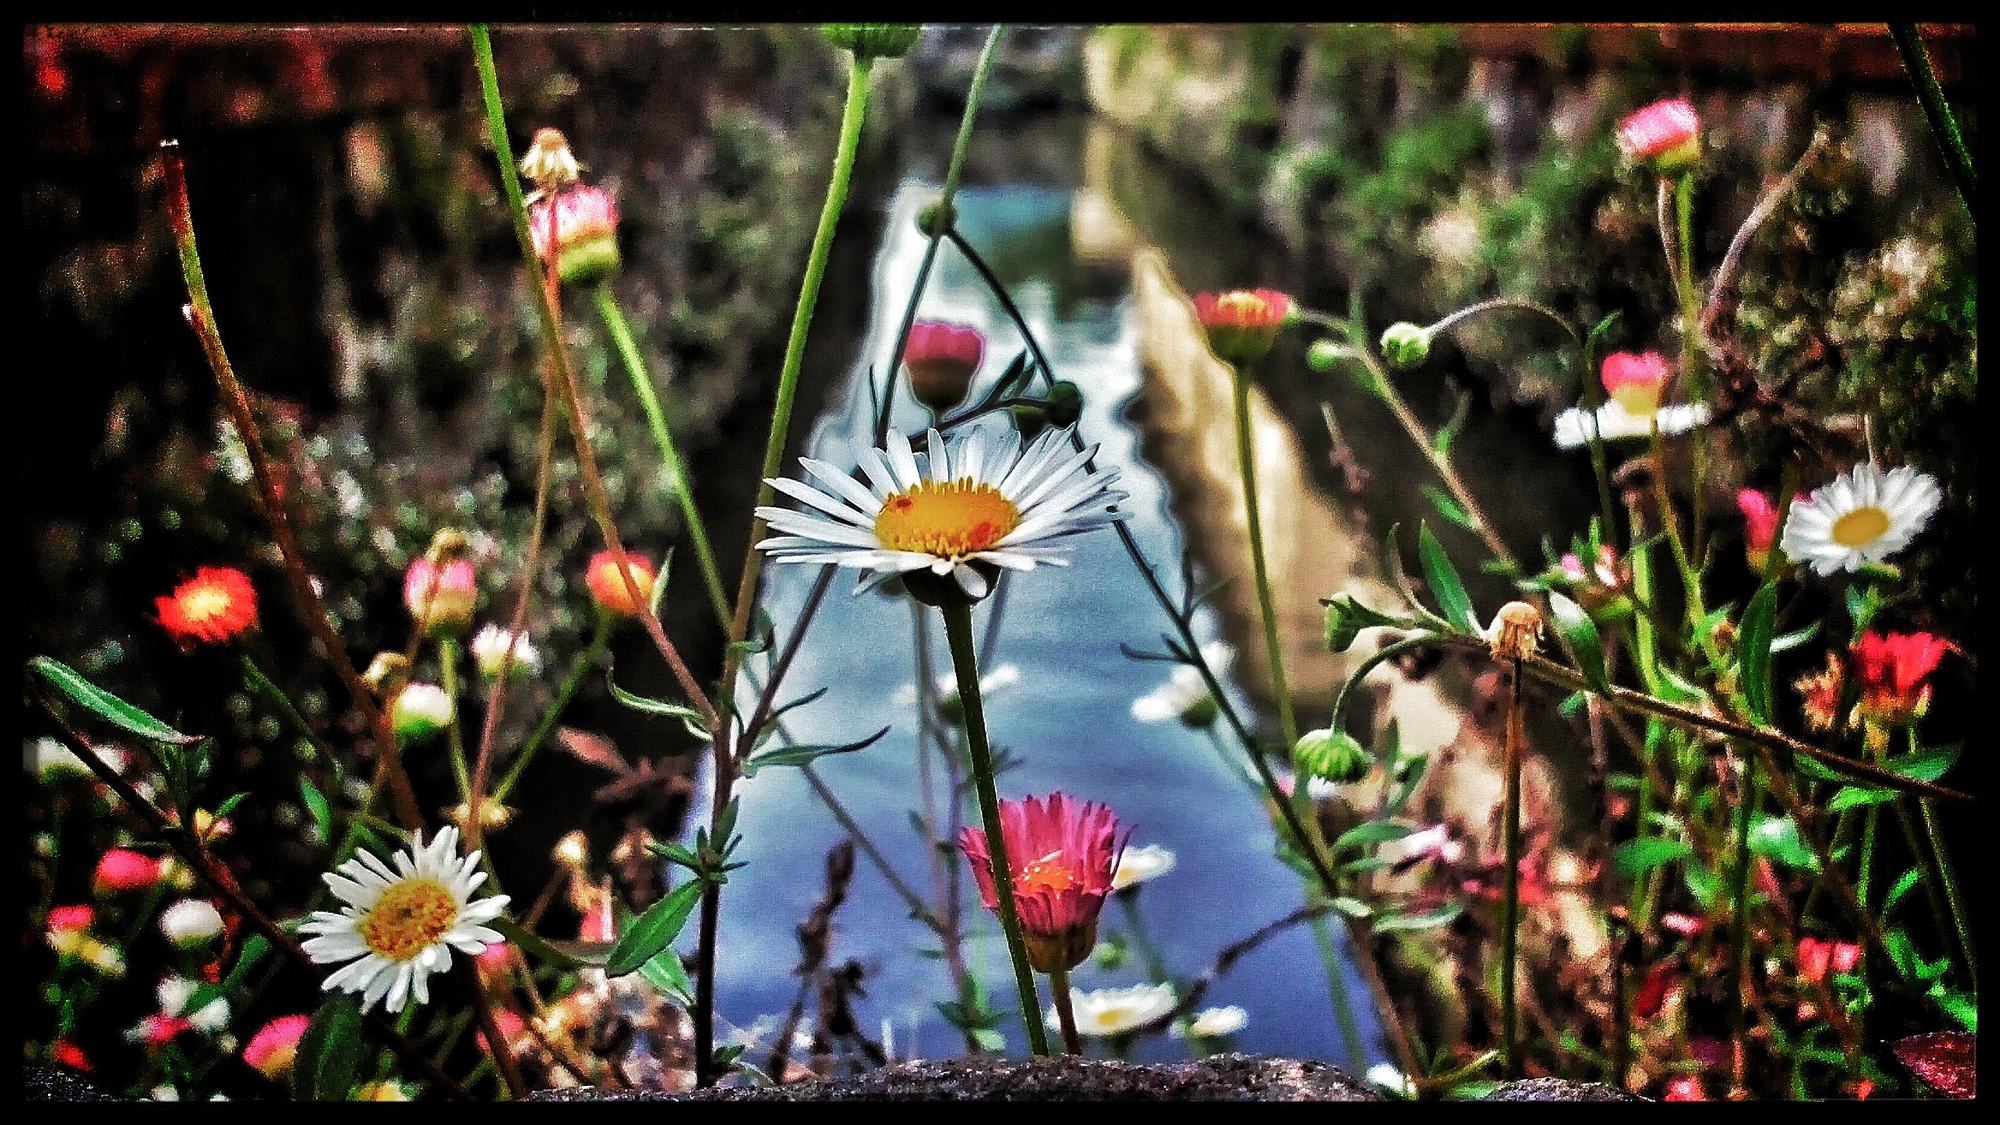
(946, 519)
(204, 603)
(1639, 399)
(408, 918)
(1048, 874)
(1860, 527)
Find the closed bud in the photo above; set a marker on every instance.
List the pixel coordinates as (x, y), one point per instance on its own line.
(420, 712)
(1331, 754)
(1243, 324)
(1323, 354)
(873, 40)
(1342, 624)
(1065, 404)
(1405, 344)
(387, 673)
(937, 218)
(942, 359)
(549, 164)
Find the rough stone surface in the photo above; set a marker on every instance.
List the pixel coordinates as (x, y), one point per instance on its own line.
(1217, 1078)
(45, 1084)
(1558, 1090)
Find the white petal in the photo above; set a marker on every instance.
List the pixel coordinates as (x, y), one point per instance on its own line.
(902, 462)
(845, 486)
(832, 506)
(971, 581)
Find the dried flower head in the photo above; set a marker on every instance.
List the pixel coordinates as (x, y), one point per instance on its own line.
(1515, 631)
(549, 164)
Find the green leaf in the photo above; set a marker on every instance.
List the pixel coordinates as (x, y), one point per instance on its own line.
(674, 852)
(254, 948)
(1857, 796)
(1352, 907)
(532, 943)
(1583, 638)
(1445, 583)
(322, 815)
(654, 930)
(1701, 883)
(1634, 858)
(105, 705)
(802, 755)
(725, 1056)
(329, 1052)
(1777, 838)
(1675, 688)
(1926, 763)
(229, 805)
(1423, 921)
(660, 707)
(1450, 509)
(1753, 652)
(1815, 769)
(1959, 1006)
(1373, 832)
(1596, 336)
(1441, 441)
(1910, 879)
(1784, 642)
(666, 973)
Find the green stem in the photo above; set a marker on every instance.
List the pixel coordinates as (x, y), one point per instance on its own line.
(952, 172)
(1944, 126)
(1739, 921)
(455, 739)
(1511, 906)
(1059, 987)
(585, 660)
(958, 634)
(1691, 352)
(1246, 456)
(1950, 880)
(1336, 988)
(656, 420)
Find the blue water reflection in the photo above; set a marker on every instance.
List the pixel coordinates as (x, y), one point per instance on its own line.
(1068, 720)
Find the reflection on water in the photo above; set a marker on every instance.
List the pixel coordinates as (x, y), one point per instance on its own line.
(1068, 720)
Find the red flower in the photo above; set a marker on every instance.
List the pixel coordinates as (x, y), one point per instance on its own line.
(942, 359)
(65, 1053)
(1760, 526)
(1243, 323)
(441, 598)
(1816, 956)
(1635, 380)
(65, 918)
(158, 1030)
(581, 223)
(274, 1047)
(1686, 1088)
(1683, 924)
(123, 870)
(1063, 856)
(1665, 136)
(1892, 671)
(214, 606)
(607, 589)
(1652, 994)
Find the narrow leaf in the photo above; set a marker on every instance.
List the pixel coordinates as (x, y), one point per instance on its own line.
(666, 973)
(1858, 796)
(801, 755)
(1450, 509)
(1926, 764)
(1373, 832)
(105, 705)
(1634, 858)
(1910, 879)
(1753, 652)
(1583, 638)
(533, 944)
(655, 706)
(1423, 921)
(654, 930)
(1445, 583)
(330, 1052)
(322, 814)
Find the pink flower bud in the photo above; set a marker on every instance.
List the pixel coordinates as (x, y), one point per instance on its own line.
(1243, 324)
(1635, 381)
(579, 226)
(942, 359)
(1760, 526)
(123, 870)
(1664, 136)
(273, 1049)
(441, 597)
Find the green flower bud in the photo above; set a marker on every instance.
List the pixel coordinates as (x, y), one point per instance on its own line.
(1342, 625)
(1029, 418)
(1322, 355)
(873, 40)
(1405, 345)
(1065, 404)
(936, 218)
(1331, 754)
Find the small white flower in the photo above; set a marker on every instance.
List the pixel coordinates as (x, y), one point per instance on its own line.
(1136, 865)
(1117, 1011)
(1005, 676)
(400, 925)
(1863, 517)
(174, 992)
(1614, 422)
(420, 711)
(1319, 788)
(190, 922)
(1185, 695)
(979, 499)
(165, 1093)
(1213, 1023)
(489, 651)
(1389, 1078)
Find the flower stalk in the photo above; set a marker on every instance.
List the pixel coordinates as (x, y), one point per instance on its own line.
(1246, 456)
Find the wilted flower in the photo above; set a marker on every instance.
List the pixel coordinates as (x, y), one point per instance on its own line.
(607, 589)
(217, 605)
(1136, 865)
(1063, 857)
(398, 925)
(191, 922)
(1821, 692)
(1243, 323)
(420, 711)
(1664, 136)
(441, 597)
(549, 163)
(1860, 519)
(1515, 631)
(1107, 1012)
(942, 359)
(276, 1045)
(1892, 671)
(977, 505)
(490, 647)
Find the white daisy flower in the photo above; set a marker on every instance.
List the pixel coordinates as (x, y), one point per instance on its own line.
(1212, 1023)
(1862, 517)
(1614, 422)
(1185, 694)
(400, 925)
(975, 505)
(1117, 1011)
(190, 922)
(1136, 865)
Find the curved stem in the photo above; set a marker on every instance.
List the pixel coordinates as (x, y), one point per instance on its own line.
(944, 209)
(958, 634)
(656, 420)
(1471, 311)
(1246, 456)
